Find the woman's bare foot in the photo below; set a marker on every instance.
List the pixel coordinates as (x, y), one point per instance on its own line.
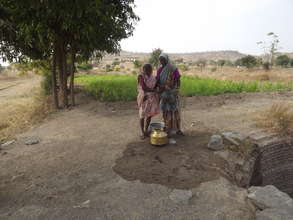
(179, 132)
(142, 137)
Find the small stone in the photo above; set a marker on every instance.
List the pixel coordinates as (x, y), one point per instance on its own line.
(232, 141)
(234, 135)
(172, 141)
(7, 143)
(32, 141)
(269, 197)
(216, 143)
(85, 204)
(180, 196)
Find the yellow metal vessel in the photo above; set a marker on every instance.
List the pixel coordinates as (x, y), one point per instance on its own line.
(159, 137)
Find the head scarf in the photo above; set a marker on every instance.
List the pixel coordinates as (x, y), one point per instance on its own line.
(167, 69)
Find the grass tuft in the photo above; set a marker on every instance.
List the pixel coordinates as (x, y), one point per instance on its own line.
(278, 119)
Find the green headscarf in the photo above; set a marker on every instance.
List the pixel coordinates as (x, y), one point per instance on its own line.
(167, 70)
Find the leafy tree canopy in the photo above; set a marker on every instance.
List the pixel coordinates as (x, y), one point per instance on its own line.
(29, 27)
(282, 60)
(247, 61)
(63, 31)
(154, 59)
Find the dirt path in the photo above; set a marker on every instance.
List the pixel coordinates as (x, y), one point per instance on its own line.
(11, 88)
(82, 151)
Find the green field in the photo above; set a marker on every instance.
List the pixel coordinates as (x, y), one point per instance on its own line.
(123, 87)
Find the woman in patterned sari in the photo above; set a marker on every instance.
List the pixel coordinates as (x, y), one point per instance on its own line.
(147, 99)
(168, 79)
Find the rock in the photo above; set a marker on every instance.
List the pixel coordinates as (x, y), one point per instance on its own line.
(180, 196)
(172, 141)
(216, 143)
(220, 199)
(31, 141)
(274, 214)
(85, 204)
(232, 141)
(7, 143)
(234, 135)
(269, 197)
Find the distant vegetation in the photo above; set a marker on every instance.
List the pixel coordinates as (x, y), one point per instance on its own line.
(124, 88)
(154, 57)
(84, 66)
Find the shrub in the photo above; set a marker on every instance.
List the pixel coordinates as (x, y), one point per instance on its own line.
(117, 68)
(228, 63)
(291, 62)
(137, 64)
(212, 63)
(116, 62)
(183, 67)
(201, 62)
(109, 68)
(134, 72)
(214, 69)
(84, 66)
(282, 60)
(154, 58)
(247, 61)
(46, 83)
(278, 118)
(221, 63)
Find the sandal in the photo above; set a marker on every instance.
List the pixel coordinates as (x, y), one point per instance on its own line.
(179, 132)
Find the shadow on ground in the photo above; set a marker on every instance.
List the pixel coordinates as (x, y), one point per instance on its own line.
(181, 166)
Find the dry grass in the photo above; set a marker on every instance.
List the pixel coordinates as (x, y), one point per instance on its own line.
(278, 119)
(23, 112)
(243, 74)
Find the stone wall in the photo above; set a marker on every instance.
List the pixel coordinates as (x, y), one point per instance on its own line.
(275, 166)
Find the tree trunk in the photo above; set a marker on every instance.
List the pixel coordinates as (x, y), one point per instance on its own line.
(59, 58)
(65, 74)
(62, 64)
(72, 77)
(54, 80)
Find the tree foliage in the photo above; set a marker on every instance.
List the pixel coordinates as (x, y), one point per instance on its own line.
(154, 58)
(291, 62)
(247, 61)
(270, 47)
(283, 60)
(137, 64)
(221, 63)
(63, 31)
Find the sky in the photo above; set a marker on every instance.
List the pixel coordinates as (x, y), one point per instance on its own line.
(209, 25)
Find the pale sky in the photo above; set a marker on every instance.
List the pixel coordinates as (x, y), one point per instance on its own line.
(208, 25)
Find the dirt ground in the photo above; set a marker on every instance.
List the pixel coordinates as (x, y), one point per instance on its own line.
(90, 163)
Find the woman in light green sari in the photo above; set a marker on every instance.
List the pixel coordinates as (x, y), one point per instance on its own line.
(168, 79)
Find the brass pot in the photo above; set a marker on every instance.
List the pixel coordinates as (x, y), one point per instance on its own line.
(159, 137)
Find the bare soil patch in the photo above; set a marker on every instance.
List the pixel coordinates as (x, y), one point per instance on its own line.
(182, 166)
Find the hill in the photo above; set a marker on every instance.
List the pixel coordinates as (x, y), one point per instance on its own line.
(209, 55)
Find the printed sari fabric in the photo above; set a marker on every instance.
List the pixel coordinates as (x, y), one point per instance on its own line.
(169, 96)
(148, 102)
